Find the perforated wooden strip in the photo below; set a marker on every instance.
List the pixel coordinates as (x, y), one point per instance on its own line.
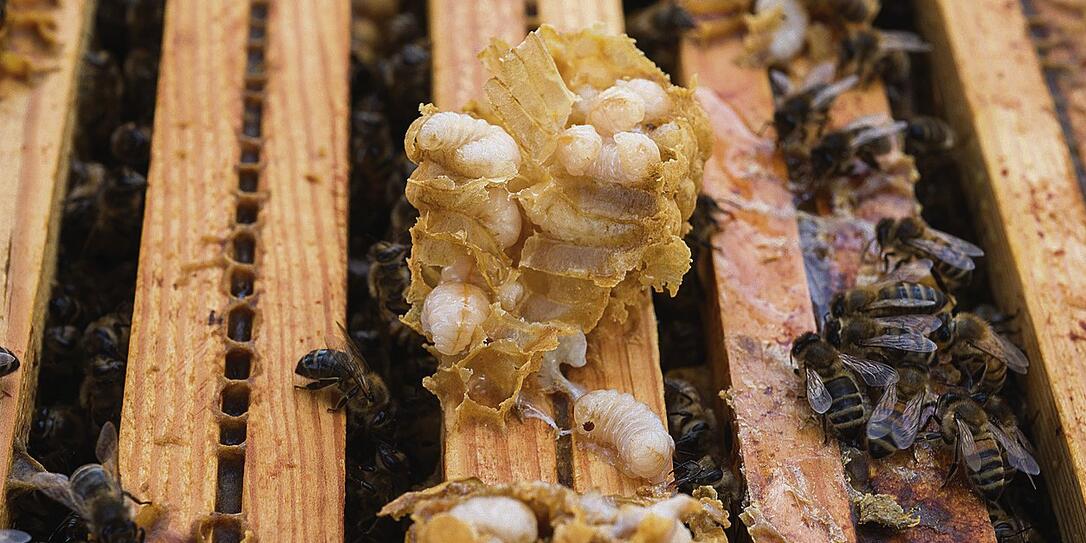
(1031, 218)
(795, 480)
(242, 270)
(36, 120)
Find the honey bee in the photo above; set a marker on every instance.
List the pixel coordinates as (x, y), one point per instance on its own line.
(657, 29)
(707, 471)
(62, 342)
(692, 426)
(364, 392)
(9, 363)
(1000, 411)
(928, 136)
(982, 353)
(56, 432)
(102, 390)
(100, 93)
(389, 278)
(864, 51)
(800, 115)
(408, 71)
(832, 389)
(889, 337)
(108, 335)
(846, 11)
(898, 416)
(140, 71)
(93, 492)
(898, 293)
(130, 144)
(1008, 528)
(64, 308)
(834, 153)
(910, 237)
(987, 451)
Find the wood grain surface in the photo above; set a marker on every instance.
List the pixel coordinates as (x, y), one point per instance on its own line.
(1031, 218)
(293, 448)
(795, 481)
(36, 123)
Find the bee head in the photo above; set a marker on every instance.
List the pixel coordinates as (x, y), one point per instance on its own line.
(832, 331)
(884, 231)
(119, 529)
(802, 343)
(837, 305)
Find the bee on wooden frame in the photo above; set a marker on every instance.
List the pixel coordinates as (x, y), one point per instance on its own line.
(911, 237)
(93, 491)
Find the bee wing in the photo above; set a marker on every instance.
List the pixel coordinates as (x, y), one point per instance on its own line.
(825, 97)
(957, 243)
(6, 358)
(817, 394)
(904, 429)
(875, 374)
(903, 342)
(820, 74)
(870, 134)
(944, 252)
(1000, 347)
(782, 84)
(1017, 456)
(106, 449)
(912, 271)
(14, 536)
(867, 121)
(876, 427)
(903, 41)
(968, 446)
(356, 361)
(57, 487)
(902, 303)
(923, 324)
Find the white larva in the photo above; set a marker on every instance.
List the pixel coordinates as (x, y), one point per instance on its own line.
(790, 36)
(498, 518)
(617, 109)
(502, 217)
(452, 314)
(673, 508)
(657, 102)
(578, 148)
(617, 420)
(469, 146)
(628, 159)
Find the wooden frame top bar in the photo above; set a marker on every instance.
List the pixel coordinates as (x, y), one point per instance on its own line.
(36, 123)
(193, 379)
(1032, 219)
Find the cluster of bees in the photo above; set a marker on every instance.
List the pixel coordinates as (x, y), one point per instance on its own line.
(394, 424)
(85, 343)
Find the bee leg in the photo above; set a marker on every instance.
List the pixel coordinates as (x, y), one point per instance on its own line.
(319, 383)
(129, 495)
(142, 534)
(340, 404)
(953, 468)
(825, 430)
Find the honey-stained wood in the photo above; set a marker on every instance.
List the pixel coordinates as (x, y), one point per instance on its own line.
(1032, 220)
(36, 122)
(523, 450)
(948, 513)
(293, 448)
(627, 357)
(795, 481)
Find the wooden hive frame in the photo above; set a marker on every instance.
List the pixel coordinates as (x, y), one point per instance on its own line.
(262, 159)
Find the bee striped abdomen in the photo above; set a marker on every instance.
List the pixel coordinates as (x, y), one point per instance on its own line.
(847, 413)
(991, 477)
(952, 276)
(881, 447)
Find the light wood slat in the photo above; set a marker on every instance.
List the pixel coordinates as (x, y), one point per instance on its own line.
(522, 451)
(459, 30)
(577, 14)
(36, 122)
(626, 358)
(294, 449)
(1031, 217)
(795, 481)
(294, 466)
(169, 432)
(916, 480)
